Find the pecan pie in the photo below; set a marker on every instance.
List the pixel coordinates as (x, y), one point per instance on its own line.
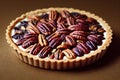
(59, 38)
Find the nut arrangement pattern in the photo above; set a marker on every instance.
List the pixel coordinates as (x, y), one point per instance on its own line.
(58, 34)
(59, 38)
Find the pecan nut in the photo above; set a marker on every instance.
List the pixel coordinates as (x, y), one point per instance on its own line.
(20, 42)
(63, 45)
(42, 40)
(55, 42)
(82, 46)
(32, 29)
(91, 45)
(78, 27)
(70, 40)
(35, 49)
(52, 36)
(60, 26)
(69, 54)
(77, 51)
(44, 52)
(28, 35)
(95, 39)
(92, 21)
(57, 54)
(65, 13)
(93, 28)
(70, 21)
(44, 28)
(52, 24)
(63, 31)
(29, 41)
(61, 20)
(79, 35)
(101, 30)
(53, 15)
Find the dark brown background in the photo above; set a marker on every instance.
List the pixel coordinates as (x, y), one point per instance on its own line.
(108, 68)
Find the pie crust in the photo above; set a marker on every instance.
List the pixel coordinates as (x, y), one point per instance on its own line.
(47, 63)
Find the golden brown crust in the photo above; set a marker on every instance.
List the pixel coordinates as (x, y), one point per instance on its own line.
(60, 64)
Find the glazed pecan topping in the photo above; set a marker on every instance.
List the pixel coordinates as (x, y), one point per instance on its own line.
(79, 35)
(61, 20)
(55, 42)
(57, 54)
(53, 15)
(70, 21)
(42, 40)
(44, 28)
(70, 40)
(63, 31)
(35, 49)
(69, 54)
(78, 51)
(29, 41)
(58, 34)
(65, 13)
(83, 47)
(32, 29)
(44, 52)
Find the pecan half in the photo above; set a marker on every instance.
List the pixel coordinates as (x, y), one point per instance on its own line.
(93, 28)
(52, 36)
(57, 54)
(28, 49)
(101, 30)
(91, 45)
(70, 40)
(92, 20)
(60, 26)
(35, 49)
(77, 51)
(53, 25)
(70, 21)
(55, 42)
(44, 52)
(95, 39)
(79, 35)
(42, 40)
(32, 29)
(63, 45)
(44, 28)
(65, 13)
(53, 15)
(28, 35)
(69, 54)
(61, 20)
(63, 31)
(29, 41)
(82, 46)
(20, 41)
(78, 27)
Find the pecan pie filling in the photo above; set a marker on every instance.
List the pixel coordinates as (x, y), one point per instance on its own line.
(56, 35)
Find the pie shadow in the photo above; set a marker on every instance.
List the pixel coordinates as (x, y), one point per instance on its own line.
(112, 54)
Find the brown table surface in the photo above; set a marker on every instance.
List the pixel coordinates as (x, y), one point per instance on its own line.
(108, 68)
